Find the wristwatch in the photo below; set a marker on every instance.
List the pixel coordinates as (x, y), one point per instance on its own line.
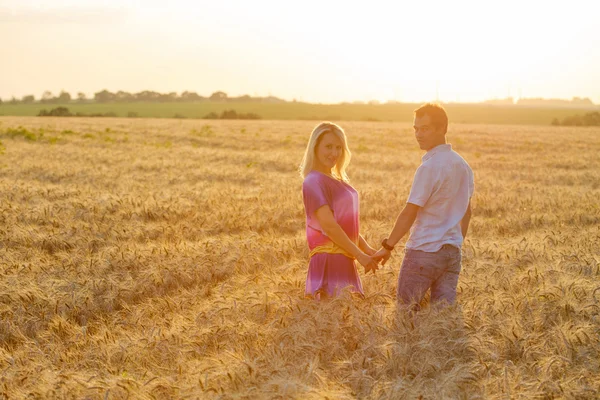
(386, 246)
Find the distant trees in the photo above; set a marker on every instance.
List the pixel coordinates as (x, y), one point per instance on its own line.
(147, 95)
(191, 96)
(245, 98)
(104, 96)
(218, 96)
(63, 97)
(508, 101)
(55, 112)
(121, 96)
(124, 96)
(46, 97)
(575, 102)
(588, 119)
(582, 101)
(64, 112)
(168, 97)
(591, 119)
(231, 114)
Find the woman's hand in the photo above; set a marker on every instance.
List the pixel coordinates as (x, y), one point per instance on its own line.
(368, 262)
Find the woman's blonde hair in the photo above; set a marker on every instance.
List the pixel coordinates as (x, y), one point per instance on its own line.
(339, 170)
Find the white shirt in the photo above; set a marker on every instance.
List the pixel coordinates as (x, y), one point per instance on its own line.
(442, 187)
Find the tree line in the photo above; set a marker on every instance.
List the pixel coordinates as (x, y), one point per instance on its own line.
(541, 102)
(62, 111)
(105, 96)
(587, 119)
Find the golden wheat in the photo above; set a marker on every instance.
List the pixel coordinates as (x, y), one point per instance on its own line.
(166, 259)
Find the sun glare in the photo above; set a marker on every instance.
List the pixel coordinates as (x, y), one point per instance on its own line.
(321, 52)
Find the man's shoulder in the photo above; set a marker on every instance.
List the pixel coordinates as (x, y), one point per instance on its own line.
(439, 160)
(461, 159)
(443, 164)
(452, 156)
(427, 166)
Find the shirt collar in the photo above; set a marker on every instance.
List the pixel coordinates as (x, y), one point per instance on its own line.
(441, 148)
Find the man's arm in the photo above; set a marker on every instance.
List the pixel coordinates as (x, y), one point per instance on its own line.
(403, 223)
(464, 222)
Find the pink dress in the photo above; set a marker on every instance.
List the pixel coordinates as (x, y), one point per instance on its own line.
(329, 273)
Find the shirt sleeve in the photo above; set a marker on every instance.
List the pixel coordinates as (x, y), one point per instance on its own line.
(315, 196)
(422, 187)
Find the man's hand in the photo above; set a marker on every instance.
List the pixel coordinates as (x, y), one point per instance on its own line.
(382, 255)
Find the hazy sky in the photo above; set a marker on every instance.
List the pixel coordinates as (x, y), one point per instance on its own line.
(318, 51)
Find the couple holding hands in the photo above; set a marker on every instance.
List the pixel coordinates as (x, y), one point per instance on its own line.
(437, 214)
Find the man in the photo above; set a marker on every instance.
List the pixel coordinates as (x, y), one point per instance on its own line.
(437, 213)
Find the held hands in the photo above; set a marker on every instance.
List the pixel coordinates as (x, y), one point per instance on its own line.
(371, 258)
(368, 262)
(382, 255)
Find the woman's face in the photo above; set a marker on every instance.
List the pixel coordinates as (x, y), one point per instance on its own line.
(328, 151)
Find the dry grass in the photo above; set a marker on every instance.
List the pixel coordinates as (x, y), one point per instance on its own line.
(166, 259)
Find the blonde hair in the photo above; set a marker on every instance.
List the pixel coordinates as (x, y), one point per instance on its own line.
(339, 170)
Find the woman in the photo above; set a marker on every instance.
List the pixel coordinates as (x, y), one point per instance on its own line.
(331, 205)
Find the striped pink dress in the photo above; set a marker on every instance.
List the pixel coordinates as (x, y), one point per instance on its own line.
(329, 273)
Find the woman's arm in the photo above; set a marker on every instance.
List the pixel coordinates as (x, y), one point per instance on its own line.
(364, 246)
(335, 232)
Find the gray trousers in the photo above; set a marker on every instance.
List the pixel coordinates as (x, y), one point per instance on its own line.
(437, 271)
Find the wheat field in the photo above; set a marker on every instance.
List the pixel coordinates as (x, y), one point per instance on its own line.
(472, 113)
(166, 259)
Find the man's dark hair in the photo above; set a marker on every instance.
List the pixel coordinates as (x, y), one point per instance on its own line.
(436, 112)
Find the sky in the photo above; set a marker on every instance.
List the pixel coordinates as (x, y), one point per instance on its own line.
(314, 51)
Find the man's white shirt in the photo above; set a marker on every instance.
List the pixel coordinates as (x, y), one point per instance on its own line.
(442, 186)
